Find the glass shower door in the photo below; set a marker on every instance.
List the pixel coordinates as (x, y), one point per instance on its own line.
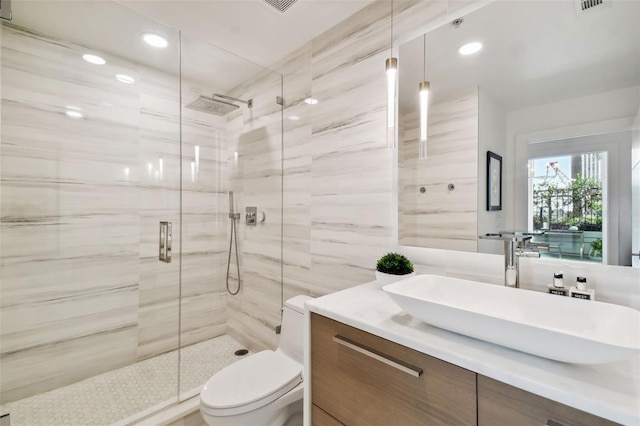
(231, 265)
(90, 167)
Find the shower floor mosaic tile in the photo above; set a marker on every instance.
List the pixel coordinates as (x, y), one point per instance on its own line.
(125, 392)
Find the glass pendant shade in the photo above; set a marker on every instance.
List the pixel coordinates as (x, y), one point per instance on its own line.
(423, 87)
(392, 70)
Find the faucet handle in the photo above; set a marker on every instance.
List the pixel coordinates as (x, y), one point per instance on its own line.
(506, 236)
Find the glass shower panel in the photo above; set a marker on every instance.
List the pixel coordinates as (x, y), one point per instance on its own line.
(90, 166)
(232, 143)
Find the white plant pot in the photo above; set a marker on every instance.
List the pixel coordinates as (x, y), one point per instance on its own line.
(384, 278)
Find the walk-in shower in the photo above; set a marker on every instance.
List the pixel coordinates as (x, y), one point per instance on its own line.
(94, 328)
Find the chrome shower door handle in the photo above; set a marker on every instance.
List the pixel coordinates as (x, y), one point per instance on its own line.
(165, 242)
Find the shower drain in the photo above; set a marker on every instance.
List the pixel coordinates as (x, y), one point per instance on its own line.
(241, 352)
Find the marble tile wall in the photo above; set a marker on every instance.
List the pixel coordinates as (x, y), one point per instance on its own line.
(256, 180)
(339, 187)
(440, 217)
(70, 223)
(81, 202)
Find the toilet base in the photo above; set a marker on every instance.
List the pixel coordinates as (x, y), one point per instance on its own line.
(294, 415)
(284, 411)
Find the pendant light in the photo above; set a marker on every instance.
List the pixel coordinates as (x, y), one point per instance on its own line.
(391, 66)
(423, 90)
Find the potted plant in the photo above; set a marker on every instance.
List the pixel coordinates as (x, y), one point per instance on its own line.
(392, 267)
(596, 248)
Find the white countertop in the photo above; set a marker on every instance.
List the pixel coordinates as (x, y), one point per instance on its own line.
(611, 391)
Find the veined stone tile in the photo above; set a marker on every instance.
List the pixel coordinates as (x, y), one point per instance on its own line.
(203, 317)
(441, 217)
(370, 25)
(409, 16)
(339, 170)
(338, 266)
(360, 219)
(30, 372)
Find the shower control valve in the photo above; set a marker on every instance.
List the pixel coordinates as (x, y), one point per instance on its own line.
(251, 215)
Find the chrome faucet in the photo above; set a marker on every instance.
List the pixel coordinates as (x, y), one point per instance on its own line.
(516, 245)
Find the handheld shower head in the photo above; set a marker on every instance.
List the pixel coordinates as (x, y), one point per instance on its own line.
(232, 214)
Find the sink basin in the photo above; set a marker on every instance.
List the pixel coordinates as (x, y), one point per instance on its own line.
(554, 327)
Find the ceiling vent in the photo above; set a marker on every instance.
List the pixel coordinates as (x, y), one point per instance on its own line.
(584, 6)
(280, 5)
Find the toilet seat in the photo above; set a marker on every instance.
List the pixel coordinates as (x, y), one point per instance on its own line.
(250, 383)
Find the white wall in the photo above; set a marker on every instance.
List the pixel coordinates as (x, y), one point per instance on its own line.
(598, 113)
(492, 129)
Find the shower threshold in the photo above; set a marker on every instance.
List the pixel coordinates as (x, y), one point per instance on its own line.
(127, 394)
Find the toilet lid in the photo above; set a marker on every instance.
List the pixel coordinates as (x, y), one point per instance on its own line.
(263, 377)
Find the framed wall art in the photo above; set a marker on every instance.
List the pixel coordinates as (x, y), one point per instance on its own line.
(494, 181)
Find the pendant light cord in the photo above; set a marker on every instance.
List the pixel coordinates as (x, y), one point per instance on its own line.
(424, 57)
(391, 42)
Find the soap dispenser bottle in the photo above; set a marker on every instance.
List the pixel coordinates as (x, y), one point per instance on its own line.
(558, 285)
(580, 291)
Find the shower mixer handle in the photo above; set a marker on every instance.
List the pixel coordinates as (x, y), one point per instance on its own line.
(251, 216)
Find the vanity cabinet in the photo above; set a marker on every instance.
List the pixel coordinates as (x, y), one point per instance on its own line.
(502, 404)
(320, 418)
(358, 378)
(362, 379)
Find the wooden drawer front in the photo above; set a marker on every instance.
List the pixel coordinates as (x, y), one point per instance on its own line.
(366, 389)
(320, 418)
(501, 404)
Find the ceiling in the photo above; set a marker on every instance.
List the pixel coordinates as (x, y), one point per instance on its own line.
(535, 52)
(250, 28)
(256, 33)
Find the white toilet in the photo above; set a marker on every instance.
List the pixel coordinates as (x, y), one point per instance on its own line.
(263, 389)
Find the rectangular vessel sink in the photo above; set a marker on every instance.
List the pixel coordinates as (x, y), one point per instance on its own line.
(554, 327)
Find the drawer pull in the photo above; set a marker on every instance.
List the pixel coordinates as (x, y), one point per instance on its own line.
(400, 365)
(553, 423)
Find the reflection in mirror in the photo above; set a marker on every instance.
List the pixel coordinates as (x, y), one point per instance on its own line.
(555, 91)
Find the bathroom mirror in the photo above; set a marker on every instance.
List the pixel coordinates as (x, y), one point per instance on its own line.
(554, 91)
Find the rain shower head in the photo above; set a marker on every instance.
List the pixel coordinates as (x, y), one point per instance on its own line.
(217, 104)
(212, 106)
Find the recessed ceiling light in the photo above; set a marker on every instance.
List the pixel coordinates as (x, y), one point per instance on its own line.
(123, 78)
(94, 59)
(73, 113)
(155, 40)
(311, 101)
(294, 118)
(470, 48)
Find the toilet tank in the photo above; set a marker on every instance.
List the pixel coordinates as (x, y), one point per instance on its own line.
(292, 334)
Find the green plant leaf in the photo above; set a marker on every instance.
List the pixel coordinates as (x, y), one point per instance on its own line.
(395, 264)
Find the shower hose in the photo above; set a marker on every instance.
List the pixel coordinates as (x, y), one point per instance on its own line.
(233, 237)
